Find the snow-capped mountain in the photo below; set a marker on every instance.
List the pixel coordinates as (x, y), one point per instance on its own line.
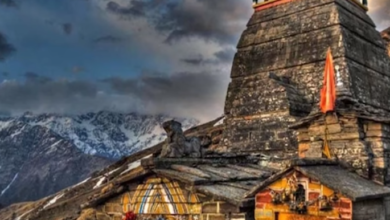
(35, 161)
(41, 154)
(106, 134)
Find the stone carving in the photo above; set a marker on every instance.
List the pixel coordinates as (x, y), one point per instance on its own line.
(177, 144)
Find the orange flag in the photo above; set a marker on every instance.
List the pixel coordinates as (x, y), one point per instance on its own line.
(328, 92)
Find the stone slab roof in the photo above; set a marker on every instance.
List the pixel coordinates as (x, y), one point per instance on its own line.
(334, 176)
(348, 183)
(222, 178)
(347, 106)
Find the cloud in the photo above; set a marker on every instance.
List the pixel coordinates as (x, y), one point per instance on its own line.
(224, 56)
(77, 69)
(138, 8)
(379, 11)
(108, 39)
(6, 49)
(197, 94)
(67, 28)
(218, 21)
(41, 95)
(8, 3)
(194, 61)
(32, 77)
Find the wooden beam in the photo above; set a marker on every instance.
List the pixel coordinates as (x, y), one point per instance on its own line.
(102, 198)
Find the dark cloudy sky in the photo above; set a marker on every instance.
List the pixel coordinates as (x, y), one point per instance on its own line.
(151, 56)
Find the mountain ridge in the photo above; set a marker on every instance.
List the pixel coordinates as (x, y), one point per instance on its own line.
(106, 134)
(42, 154)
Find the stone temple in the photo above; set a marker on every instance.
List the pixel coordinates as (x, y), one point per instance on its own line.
(264, 160)
(278, 68)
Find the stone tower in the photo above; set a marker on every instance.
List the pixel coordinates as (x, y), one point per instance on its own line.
(278, 70)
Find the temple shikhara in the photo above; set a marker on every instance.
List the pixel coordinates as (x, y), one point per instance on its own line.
(305, 134)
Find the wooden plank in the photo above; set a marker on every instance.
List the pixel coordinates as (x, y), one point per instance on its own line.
(252, 171)
(227, 173)
(224, 193)
(103, 198)
(210, 207)
(269, 169)
(190, 170)
(184, 177)
(239, 185)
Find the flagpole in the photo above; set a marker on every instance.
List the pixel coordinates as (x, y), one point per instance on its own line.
(328, 98)
(326, 149)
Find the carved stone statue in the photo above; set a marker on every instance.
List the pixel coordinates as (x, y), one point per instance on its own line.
(178, 145)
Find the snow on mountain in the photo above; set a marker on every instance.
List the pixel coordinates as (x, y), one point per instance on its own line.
(41, 154)
(106, 134)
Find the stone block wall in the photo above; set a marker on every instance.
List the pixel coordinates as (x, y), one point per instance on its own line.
(378, 136)
(386, 202)
(362, 144)
(369, 210)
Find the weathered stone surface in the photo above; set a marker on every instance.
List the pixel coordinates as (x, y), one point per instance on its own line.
(277, 72)
(369, 210)
(177, 144)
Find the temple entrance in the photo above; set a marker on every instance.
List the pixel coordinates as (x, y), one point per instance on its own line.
(162, 199)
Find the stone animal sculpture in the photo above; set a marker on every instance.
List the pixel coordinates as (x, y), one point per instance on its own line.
(177, 144)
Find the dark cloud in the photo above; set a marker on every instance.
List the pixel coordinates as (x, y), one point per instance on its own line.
(77, 69)
(32, 77)
(67, 28)
(40, 94)
(184, 94)
(224, 56)
(380, 13)
(8, 3)
(108, 39)
(194, 61)
(138, 8)
(198, 95)
(6, 49)
(218, 21)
